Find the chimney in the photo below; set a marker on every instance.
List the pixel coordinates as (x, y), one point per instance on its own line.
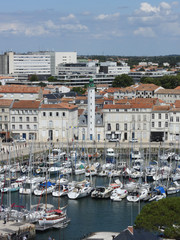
(130, 228)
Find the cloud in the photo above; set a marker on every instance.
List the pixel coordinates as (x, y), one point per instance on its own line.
(68, 18)
(145, 32)
(107, 16)
(74, 27)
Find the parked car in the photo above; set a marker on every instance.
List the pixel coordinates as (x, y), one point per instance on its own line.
(21, 140)
(133, 140)
(113, 140)
(7, 140)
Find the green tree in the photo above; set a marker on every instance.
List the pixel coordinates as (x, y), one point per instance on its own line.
(79, 90)
(33, 78)
(42, 84)
(122, 81)
(52, 79)
(164, 214)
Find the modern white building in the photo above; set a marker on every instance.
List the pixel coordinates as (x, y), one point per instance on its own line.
(78, 68)
(113, 68)
(39, 63)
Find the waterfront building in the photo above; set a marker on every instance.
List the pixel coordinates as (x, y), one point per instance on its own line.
(24, 115)
(58, 122)
(5, 129)
(127, 121)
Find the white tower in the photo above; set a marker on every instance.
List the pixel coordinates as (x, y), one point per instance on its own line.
(91, 111)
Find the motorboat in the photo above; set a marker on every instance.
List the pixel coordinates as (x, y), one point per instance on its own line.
(91, 171)
(60, 190)
(110, 156)
(30, 185)
(118, 194)
(44, 188)
(80, 191)
(101, 192)
(56, 155)
(157, 194)
(137, 195)
(173, 188)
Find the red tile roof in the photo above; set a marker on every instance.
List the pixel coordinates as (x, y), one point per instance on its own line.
(59, 106)
(5, 102)
(24, 104)
(147, 87)
(161, 108)
(18, 89)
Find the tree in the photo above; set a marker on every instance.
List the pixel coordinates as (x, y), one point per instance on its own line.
(79, 90)
(52, 79)
(122, 81)
(33, 78)
(42, 84)
(164, 214)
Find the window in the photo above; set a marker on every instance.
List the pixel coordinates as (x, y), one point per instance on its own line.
(35, 119)
(2, 109)
(13, 127)
(63, 114)
(159, 115)
(109, 127)
(171, 119)
(117, 126)
(152, 115)
(57, 114)
(20, 127)
(125, 126)
(44, 114)
(50, 114)
(159, 124)
(27, 119)
(6, 126)
(144, 117)
(91, 137)
(35, 127)
(13, 119)
(1, 126)
(166, 124)
(5, 118)
(166, 116)
(152, 124)
(27, 126)
(177, 119)
(20, 119)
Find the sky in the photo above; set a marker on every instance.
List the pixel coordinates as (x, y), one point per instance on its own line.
(94, 27)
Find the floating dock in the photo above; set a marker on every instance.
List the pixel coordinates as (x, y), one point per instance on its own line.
(16, 230)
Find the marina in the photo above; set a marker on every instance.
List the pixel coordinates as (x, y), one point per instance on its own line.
(103, 193)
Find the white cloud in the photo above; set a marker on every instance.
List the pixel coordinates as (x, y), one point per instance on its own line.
(145, 32)
(107, 16)
(69, 17)
(74, 27)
